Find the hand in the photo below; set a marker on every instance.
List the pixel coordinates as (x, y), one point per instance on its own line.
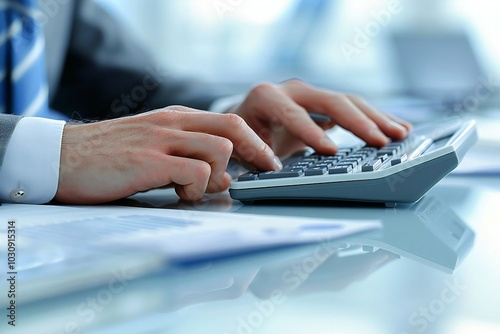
(178, 146)
(279, 115)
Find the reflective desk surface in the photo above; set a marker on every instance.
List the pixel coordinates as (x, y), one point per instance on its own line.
(433, 268)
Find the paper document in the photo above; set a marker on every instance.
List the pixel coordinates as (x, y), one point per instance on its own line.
(179, 235)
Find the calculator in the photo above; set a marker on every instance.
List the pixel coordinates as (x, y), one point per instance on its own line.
(400, 172)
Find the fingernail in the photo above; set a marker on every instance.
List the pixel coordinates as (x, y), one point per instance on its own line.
(399, 126)
(375, 133)
(277, 163)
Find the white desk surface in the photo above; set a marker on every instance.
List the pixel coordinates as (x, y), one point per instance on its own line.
(292, 291)
(374, 292)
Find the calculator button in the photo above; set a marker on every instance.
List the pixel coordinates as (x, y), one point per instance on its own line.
(351, 164)
(316, 171)
(303, 163)
(340, 170)
(399, 159)
(383, 157)
(372, 165)
(281, 174)
(250, 176)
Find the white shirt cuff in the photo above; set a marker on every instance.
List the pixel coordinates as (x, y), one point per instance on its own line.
(223, 104)
(30, 170)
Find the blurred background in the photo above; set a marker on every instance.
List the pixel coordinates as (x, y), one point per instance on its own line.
(445, 50)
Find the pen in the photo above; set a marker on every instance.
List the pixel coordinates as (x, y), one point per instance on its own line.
(319, 118)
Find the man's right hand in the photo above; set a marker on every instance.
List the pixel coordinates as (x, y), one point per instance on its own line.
(178, 146)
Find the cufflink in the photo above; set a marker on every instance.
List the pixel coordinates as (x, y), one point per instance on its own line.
(17, 195)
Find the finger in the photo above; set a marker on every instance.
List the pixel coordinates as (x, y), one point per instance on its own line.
(407, 125)
(214, 150)
(292, 116)
(390, 127)
(247, 144)
(341, 109)
(191, 176)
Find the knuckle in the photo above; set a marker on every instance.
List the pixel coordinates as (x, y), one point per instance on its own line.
(168, 108)
(163, 138)
(225, 146)
(264, 149)
(338, 98)
(176, 119)
(162, 116)
(183, 166)
(203, 171)
(178, 108)
(234, 121)
(174, 116)
(149, 117)
(295, 82)
(355, 98)
(262, 89)
(192, 193)
(246, 151)
(217, 182)
(155, 134)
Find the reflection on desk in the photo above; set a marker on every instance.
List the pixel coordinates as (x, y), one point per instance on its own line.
(428, 232)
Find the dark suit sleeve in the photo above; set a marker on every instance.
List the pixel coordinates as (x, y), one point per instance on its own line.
(7, 125)
(109, 74)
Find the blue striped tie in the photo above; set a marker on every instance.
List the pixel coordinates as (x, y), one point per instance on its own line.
(23, 82)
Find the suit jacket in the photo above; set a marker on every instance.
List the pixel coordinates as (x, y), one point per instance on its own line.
(99, 70)
(7, 125)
